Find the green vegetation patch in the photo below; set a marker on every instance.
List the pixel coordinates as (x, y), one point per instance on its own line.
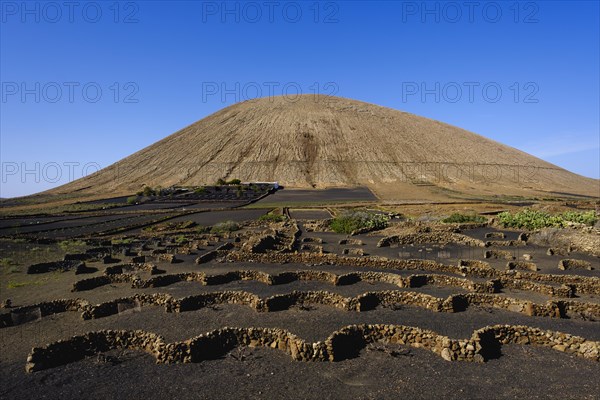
(18, 284)
(14, 285)
(202, 229)
(170, 226)
(458, 218)
(148, 191)
(272, 217)
(7, 262)
(132, 200)
(72, 246)
(351, 221)
(533, 219)
(180, 239)
(227, 226)
(10, 265)
(122, 241)
(231, 182)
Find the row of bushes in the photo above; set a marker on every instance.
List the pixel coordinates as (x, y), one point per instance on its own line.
(221, 227)
(227, 226)
(532, 219)
(149, 192)
(351, 221)
(170, 226)
(271, 217)
(231, 185)
(231, 182)
(464, 218)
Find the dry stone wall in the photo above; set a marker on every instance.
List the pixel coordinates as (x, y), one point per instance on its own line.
(353, 252)
(63, 265)
(484, 343)
(440, 237)
(499, 254)
(495, 235)
(364, 302)
(574, 264)
(521, 265)
(552, 285)
(505, 243)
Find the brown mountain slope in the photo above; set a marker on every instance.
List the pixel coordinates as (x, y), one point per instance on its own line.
(321, 141)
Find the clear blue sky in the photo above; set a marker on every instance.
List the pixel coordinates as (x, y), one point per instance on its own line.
(163, 65)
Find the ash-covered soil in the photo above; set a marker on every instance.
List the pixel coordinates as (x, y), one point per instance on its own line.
(380, 370)
(379, 373)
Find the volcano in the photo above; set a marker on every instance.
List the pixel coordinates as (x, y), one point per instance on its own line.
(322, 141)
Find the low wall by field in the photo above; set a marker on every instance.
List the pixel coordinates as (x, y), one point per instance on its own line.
(440, 237)
(499, 254)
(545, 289)
(495, 235)
(505, 243)
(350, 242)
(574, 264)
(41, 310)
(360, 303)
(311, 247)
(540, 283)
(116, 275)
(521, 265)
(142, 266)
(260, 243)
(347, 342)
(294, 236)
(474, 264)
(316, 240)
(353, 252)
(63, 265)
(220, 251)
(577, 284)
(97, 281)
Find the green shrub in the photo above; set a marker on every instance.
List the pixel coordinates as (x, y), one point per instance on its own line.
(462, 218)
(351, 221)
(7, 262)
(148, 191)
(71, 246)
(186, 224)
(200, 190)
(227, 226)
(14, 285)
(122, 241)
(234, 182)
(132, 200)
(203, 229)
(270, 217)
(181, 239)
(170, 226)
(532, 219)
